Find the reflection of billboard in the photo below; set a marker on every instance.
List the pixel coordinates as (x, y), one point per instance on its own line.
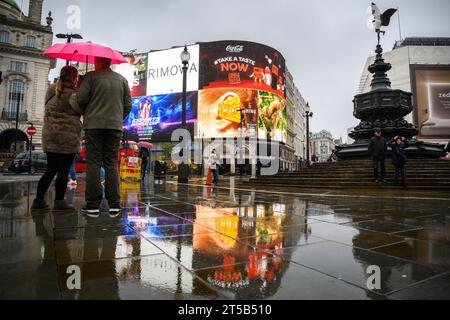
(135, 71)
(431, 88)
(155, 117)
(165, 73)
(242, 64)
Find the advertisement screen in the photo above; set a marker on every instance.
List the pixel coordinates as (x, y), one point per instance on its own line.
(220, 112)
(272, 120)
(431, 88)
(135, 71)
(165, 73)
(155, 117)
(234, 88)
(242, 64)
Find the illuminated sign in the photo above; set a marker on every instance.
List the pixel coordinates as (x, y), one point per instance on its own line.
(165, 71)
(431, 88)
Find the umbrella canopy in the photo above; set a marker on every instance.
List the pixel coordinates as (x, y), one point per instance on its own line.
(83, 52)
(146, 145)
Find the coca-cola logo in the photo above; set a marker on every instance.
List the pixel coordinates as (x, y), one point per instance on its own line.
(236, 48)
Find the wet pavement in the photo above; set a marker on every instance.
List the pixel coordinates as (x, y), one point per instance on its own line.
(196, 242)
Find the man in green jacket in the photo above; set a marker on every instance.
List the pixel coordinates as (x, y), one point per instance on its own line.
(105, 99)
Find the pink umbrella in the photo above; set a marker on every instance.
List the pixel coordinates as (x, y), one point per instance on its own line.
(146, 145)
(83, 52)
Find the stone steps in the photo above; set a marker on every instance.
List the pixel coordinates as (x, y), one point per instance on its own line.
(421, 174)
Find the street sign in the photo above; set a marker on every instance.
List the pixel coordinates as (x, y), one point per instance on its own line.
(31, 131)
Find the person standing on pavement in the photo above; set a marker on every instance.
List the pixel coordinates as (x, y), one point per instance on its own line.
(144, 154)
(377, 149)
(213, 164)
(61, 137)
(398, 146)
(105, 99)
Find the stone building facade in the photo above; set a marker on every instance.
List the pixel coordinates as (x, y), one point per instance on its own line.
(24, 72)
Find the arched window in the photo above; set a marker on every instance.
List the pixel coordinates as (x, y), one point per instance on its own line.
(4, 36)
(16, 97)
(31, 42)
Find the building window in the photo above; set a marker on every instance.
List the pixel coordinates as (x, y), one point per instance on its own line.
(16, 96)
(18, 66)
(31, 42)
(4, 37)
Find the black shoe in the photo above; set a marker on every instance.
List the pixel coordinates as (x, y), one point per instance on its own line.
(384, 181)
(62, 205)
(377, 182)
(92, 212)
(39, 205)
(115, 212)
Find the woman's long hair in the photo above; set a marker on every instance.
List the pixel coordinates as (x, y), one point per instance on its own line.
(68, 73)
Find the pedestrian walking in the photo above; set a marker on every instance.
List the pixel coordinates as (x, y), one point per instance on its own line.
(61, 137)
(377, 149)
(213, 164)
(144, 154)
(398, 146)
(105, 99)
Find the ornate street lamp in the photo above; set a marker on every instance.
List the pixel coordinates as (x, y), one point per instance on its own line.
(69, 38)
(183, 169)
(308, 114)
(185, 57)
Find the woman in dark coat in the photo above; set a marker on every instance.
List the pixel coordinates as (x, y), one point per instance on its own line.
(61, 136)
(398, 146)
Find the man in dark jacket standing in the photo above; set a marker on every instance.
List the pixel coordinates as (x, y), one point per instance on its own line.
(144, 154)
(398, 146)
(105, 99)
(377, 149)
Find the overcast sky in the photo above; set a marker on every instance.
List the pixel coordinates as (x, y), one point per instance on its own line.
(325, 43)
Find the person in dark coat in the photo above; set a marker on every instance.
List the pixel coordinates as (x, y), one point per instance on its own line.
(398, 146)
(144, 154)
(61, 137)
(377, 149)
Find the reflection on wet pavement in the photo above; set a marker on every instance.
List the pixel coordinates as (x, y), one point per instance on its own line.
(196, 242)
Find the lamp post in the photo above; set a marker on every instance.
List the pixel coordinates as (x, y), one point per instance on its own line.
(242, 144)
(183, 170)
(69, 38)
(185, 57)
(308, 114)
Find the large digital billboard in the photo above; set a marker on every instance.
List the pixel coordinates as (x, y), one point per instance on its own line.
(135, 71)
(220, 111)
(431, 90)
(242, 64)
(232, 86)
(156, 117)
(165, 73)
